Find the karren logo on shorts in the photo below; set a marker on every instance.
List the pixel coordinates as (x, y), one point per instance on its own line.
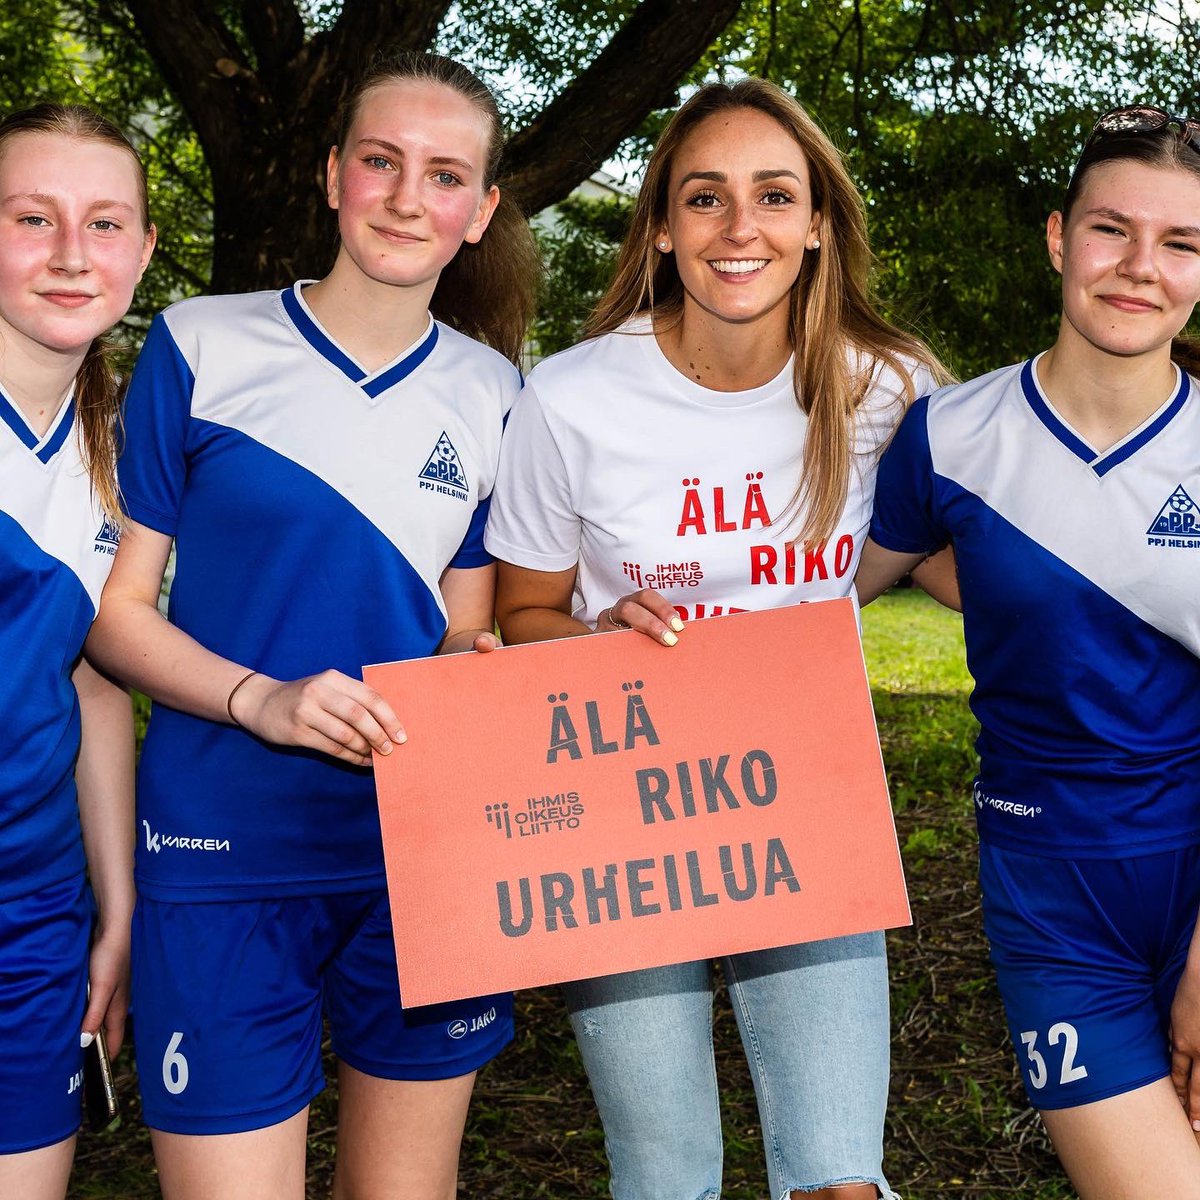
(158, 842)
(443, 472)
(460, 1029)
(1177, 523)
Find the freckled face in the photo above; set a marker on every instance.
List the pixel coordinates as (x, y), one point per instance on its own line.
(408, 185)
(1129, 256)
(739, 217)
(72, 244)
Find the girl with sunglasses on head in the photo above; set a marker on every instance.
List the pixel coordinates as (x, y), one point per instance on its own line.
(75, 237)
(1069, 487)
(736, 349)
(321, 458)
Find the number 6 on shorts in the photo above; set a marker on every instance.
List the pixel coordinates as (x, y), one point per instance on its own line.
(174, 1066)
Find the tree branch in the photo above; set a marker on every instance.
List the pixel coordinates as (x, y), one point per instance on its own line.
(201, 63)
(328, 64)
(606, 103)
(385, 23)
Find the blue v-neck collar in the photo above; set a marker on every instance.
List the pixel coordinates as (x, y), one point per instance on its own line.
(374, 384)
(43, 448)
(1114, 455)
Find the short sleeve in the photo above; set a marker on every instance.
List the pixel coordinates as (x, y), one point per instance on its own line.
(533, 522)
(472, 552)
(906, 517)
(153, 465)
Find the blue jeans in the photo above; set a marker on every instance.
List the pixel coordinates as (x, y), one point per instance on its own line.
(814, 1022)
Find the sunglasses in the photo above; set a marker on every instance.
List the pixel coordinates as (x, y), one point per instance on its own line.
(1145, 118)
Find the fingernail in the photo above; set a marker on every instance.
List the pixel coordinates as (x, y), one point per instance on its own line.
(386, 748)
(677, 624)
(400, 737)
(1196, 1126)
(669, 639)
(86, 1039)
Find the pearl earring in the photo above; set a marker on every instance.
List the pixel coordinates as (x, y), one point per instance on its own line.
(816, 243)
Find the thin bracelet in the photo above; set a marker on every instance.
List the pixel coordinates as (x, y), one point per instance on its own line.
(229, 702)
(613, 620)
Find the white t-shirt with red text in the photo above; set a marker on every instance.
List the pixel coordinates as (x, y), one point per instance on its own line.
(615, 461)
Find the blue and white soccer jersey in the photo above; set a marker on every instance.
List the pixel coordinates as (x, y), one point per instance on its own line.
(314, 507)
(616, 462)
(56, 548)
(1079, 573)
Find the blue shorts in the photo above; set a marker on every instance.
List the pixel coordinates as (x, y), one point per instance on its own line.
(43, 995)
(229, 999)
(1088, 954)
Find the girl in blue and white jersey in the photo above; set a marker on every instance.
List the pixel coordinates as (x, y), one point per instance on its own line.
(1068, 487)
(322, 459)
(75, 237)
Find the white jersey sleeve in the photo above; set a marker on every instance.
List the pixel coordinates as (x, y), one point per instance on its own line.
(533, 521)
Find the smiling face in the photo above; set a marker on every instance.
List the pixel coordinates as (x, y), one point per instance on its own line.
(408, 183)
(72, 240)
(739, 217)
(1129, 255)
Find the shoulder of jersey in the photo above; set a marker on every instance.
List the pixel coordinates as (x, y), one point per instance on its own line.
(608, 353)
(980, 390)
(227, 312)
(474, 355)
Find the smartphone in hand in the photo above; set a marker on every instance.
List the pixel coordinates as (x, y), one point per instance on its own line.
(99, 1090)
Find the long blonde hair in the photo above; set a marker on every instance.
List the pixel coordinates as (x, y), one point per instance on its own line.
(98, 385)
(832, 309)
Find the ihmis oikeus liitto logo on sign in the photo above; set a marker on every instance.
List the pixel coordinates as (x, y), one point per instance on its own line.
(536, 815)
(1177, 523)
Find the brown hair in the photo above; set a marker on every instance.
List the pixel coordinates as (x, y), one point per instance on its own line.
(98, 385)
(1157, 148)
(489, 289)
(832, 310)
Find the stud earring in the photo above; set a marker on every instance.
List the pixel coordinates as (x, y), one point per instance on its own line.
(816, 243)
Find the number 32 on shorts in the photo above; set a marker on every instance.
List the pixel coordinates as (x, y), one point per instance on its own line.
(1070, 1071)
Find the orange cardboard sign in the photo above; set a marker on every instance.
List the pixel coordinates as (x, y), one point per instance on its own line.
(600, 804)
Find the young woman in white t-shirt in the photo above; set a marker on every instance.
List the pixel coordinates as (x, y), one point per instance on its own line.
(711, 448)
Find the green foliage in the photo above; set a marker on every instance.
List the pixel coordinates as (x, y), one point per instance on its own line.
(534, 48)
(579, 245)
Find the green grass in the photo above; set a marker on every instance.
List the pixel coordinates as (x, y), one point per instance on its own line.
(958, 1122)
